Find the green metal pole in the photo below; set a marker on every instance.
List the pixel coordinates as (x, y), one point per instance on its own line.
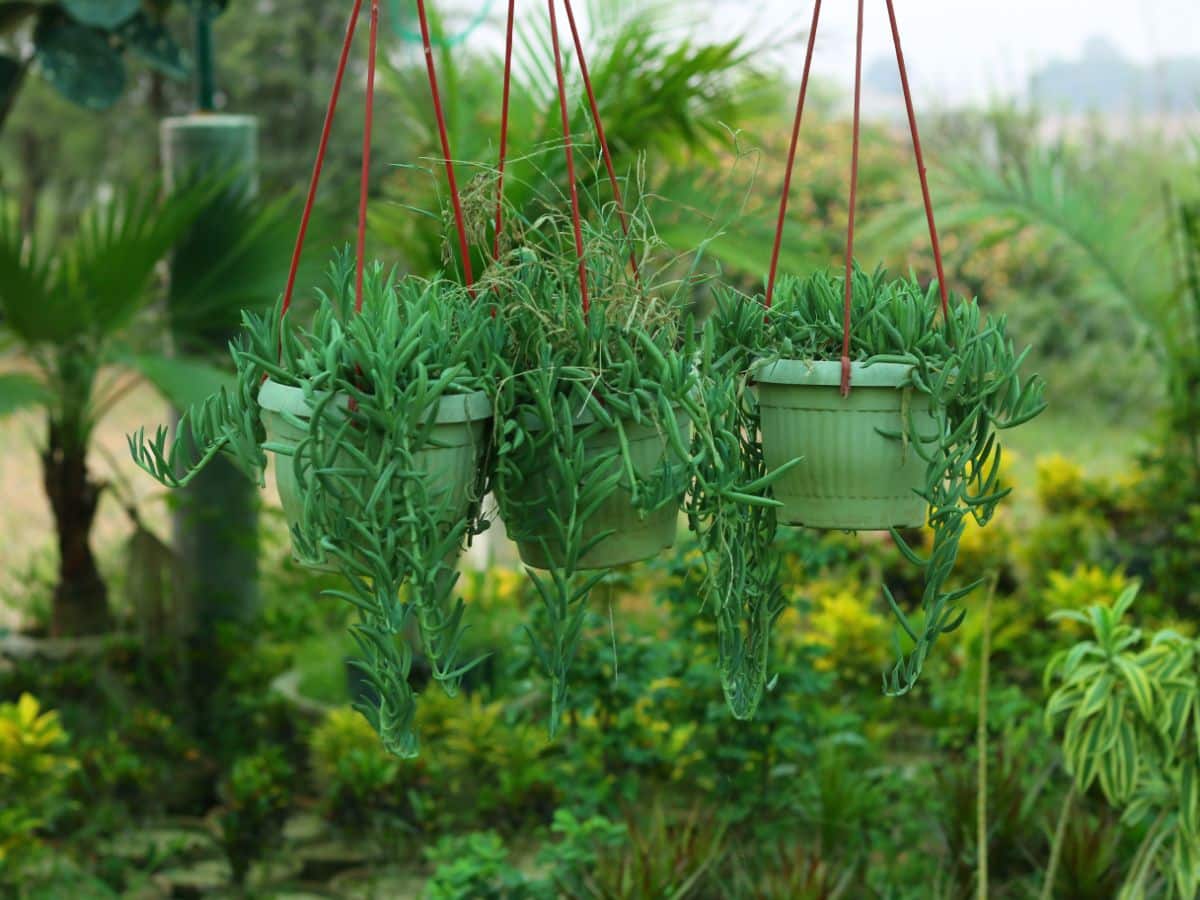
(205, 68)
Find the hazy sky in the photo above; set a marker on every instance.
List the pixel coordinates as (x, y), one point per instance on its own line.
(965, 49)
(957, 50)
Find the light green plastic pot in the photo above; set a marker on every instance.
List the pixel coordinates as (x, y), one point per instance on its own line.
(450, 462)
(634, 536)
(851, 477)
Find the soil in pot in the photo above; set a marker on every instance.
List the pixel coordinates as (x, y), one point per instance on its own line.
(852, 476)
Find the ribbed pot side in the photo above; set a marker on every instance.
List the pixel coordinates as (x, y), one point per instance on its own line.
(635, 536)
(450, 462)
(851, 477)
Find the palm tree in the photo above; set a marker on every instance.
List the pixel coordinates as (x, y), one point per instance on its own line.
(68, 317)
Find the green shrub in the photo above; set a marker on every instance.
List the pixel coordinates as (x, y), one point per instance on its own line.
(474, 867)
(357, 778)
(256, 796)
(35, 771)
(482, 764)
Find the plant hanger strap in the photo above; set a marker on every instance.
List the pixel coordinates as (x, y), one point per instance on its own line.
(365, 179)
(600, 136)
(849, 295)
(507, 90)
(568, 146)
(322, 149)
(444, 136)
(569, 150)
(921, 173)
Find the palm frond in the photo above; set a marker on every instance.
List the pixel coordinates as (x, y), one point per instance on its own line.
(234, 257)
(19, 391)
(107, 269)
(1116, 242)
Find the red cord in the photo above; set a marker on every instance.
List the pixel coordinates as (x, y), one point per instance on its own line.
(853, 201)
(365, 180)
(322, 148)
(566, 125)
(508, 50)
(791, 162)
(604, 150)
(445, 139)
(912, 123)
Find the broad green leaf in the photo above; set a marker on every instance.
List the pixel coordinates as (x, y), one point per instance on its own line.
(234, 257)
(107, 14)
(1139, 685)
(19, 391)
(34, 309)
(1189, 798)
(183, 382)
(80, 63)
(1123, 764)
(113, 256)
(1097, 694)
(1185, 864)
(153, 44)
(1084, 753)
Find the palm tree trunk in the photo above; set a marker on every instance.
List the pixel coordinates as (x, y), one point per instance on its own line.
(80, 596)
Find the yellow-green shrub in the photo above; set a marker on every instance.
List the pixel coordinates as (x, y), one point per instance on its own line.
(1083, 586)
(854, 636)
(478, 763)
(354, 773)
(34, 773)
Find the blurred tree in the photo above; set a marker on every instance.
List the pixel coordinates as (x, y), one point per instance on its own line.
(79, 47)
(75, 311)
(70, 311)
(669, 101)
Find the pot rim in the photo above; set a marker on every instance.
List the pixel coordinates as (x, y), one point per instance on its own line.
(452, 408)
(828, 373)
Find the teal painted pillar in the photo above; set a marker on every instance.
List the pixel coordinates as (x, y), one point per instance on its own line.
(216, 519)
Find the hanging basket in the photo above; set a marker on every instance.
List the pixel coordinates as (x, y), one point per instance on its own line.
(629, 533)
(450, 463)
(854, 474)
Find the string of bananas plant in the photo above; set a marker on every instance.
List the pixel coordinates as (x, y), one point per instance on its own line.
(729, 506)
(376, 497)
(590, 432)
(968, 368)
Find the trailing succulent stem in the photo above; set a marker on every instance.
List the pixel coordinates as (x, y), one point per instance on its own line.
(374, 505)
(968, 368)
(730, 510)
(575, 385)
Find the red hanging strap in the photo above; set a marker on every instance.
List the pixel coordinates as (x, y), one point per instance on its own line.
(508, 52)
(576, 218)
(365, 180)
(791, 161)
(858, 56)
(600, 136)
(459, 223)
(912, 124)
(322, 148)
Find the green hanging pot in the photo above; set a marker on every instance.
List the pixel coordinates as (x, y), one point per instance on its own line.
(450, 462)
(631, 534)
(852, 476)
